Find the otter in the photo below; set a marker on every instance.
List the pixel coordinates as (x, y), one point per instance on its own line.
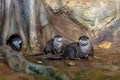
(79, 50)
(15, 42)
(54, 45)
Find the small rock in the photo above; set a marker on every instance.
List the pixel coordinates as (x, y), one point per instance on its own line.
(39, 62)
(71, 63)
(105, 45)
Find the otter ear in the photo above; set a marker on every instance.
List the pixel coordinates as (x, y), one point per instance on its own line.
(87, 37)
(79, 38)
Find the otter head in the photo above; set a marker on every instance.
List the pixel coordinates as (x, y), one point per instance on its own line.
(58, 40)
(84, 40)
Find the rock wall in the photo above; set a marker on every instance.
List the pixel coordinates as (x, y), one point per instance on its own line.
(99, 19)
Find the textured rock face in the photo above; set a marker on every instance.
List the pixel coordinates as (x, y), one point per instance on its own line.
(94, 14)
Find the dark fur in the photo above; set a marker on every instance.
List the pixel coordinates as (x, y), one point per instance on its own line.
(71, 51)
(49, 48)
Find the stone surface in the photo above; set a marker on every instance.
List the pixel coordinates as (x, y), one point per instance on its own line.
(93, 14)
